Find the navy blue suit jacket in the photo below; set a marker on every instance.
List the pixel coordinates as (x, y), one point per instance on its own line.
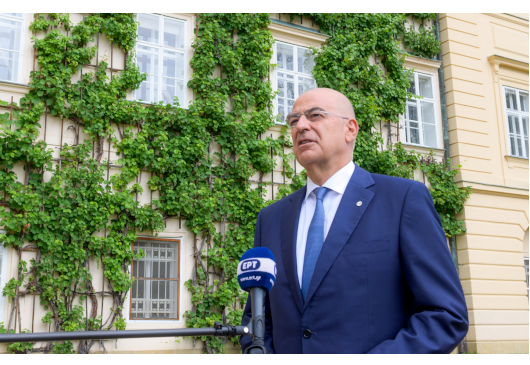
(384, 282)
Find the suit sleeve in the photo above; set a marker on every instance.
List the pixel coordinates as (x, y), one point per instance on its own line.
(245, 340)
(440, 321)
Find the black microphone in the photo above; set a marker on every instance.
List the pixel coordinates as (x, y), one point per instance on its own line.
(256, 273)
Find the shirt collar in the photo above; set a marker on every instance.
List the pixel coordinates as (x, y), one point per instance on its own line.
(337, 182)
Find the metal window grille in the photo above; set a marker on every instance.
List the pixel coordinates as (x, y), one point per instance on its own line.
(155, 291)
(420, 114)
(11, 46)
(161, 53)
(516, 106)
(526, 272)
(293, 76)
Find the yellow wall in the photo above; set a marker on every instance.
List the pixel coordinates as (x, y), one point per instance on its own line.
(482, 53)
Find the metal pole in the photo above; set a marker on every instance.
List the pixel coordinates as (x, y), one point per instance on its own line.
(218, 330)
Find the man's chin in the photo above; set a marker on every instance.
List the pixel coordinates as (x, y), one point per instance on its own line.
(306, 159)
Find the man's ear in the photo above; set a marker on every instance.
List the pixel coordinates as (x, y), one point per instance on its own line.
(352, 128)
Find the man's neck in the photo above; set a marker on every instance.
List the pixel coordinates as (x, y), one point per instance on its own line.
(320, 174)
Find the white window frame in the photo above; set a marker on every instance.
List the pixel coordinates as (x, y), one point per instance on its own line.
(22, 20)
(420, 122)
(184, 102)
(294, 73)
(3, 274)
(520, 114)
(128, 301)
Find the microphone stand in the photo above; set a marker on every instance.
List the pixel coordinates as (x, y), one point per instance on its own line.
(218, 330)
(257, 323)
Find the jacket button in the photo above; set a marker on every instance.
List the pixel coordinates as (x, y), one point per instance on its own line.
(307, 333)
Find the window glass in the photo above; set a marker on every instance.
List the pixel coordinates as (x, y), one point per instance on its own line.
(173, 33)
(154, 293)
(516, 103)
(148, 28)
(10, 48)
(523, 102)
(425, 83)
(420, 114)
(293, 76)
(170, 73)
(285, 58)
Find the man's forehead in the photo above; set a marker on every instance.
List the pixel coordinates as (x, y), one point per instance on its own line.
(305, 104)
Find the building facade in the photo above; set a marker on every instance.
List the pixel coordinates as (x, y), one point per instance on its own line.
(485, 86)
(485, 60)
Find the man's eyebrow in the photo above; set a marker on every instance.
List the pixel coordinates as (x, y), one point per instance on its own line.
(310, 110)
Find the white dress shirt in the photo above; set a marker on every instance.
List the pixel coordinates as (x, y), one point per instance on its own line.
(337, 185)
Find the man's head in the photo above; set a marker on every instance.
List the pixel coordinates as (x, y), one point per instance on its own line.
(326, 145)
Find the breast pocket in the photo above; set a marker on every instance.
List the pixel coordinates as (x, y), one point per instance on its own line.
(354, 248)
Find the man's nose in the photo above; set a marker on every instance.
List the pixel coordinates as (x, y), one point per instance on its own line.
(303, 124)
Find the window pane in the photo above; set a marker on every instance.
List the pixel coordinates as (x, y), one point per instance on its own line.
(281, 87)
(168, 93)
(18, 15)
(519, 146)
(148, 28)
(290, 104)
(412, 88)
(516, 125)
(425, 86)
(511, 101)
(427, 112)
(173, 33)
(10, 32)
(523, 99)
(281, 110)
(9, 65)
(305, 84)
(285, 57)
(306, 60)
(526, 146)
(429, 135)
(525, 126)
(148, 60)
(173, 65)
(10, 35)
(413, 112)
(290, 90)
(512, 145)
(510, 123)
(414, 135)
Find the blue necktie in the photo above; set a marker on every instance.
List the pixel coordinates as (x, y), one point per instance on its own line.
(315, 240)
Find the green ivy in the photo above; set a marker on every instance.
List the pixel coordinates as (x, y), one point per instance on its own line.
(61, 219)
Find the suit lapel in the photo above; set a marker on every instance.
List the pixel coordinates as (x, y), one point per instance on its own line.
(288, 229)
(344, 223)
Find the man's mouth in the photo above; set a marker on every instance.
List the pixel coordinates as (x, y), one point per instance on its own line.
(304, 141)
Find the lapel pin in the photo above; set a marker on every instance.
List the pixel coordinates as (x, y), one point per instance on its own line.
(359, 203)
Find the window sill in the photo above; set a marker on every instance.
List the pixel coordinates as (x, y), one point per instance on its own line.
(517, 162)
(146, 103)
(421, 149)
(14, 87)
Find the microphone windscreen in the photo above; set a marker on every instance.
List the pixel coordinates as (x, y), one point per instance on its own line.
(257, 269)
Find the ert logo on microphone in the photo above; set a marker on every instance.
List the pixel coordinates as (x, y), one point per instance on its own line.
(250, 265)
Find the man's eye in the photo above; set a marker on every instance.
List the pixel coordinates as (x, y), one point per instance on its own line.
(314, 116)
(293, 122)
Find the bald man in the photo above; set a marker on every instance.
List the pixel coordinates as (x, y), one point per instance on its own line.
(362, 260)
